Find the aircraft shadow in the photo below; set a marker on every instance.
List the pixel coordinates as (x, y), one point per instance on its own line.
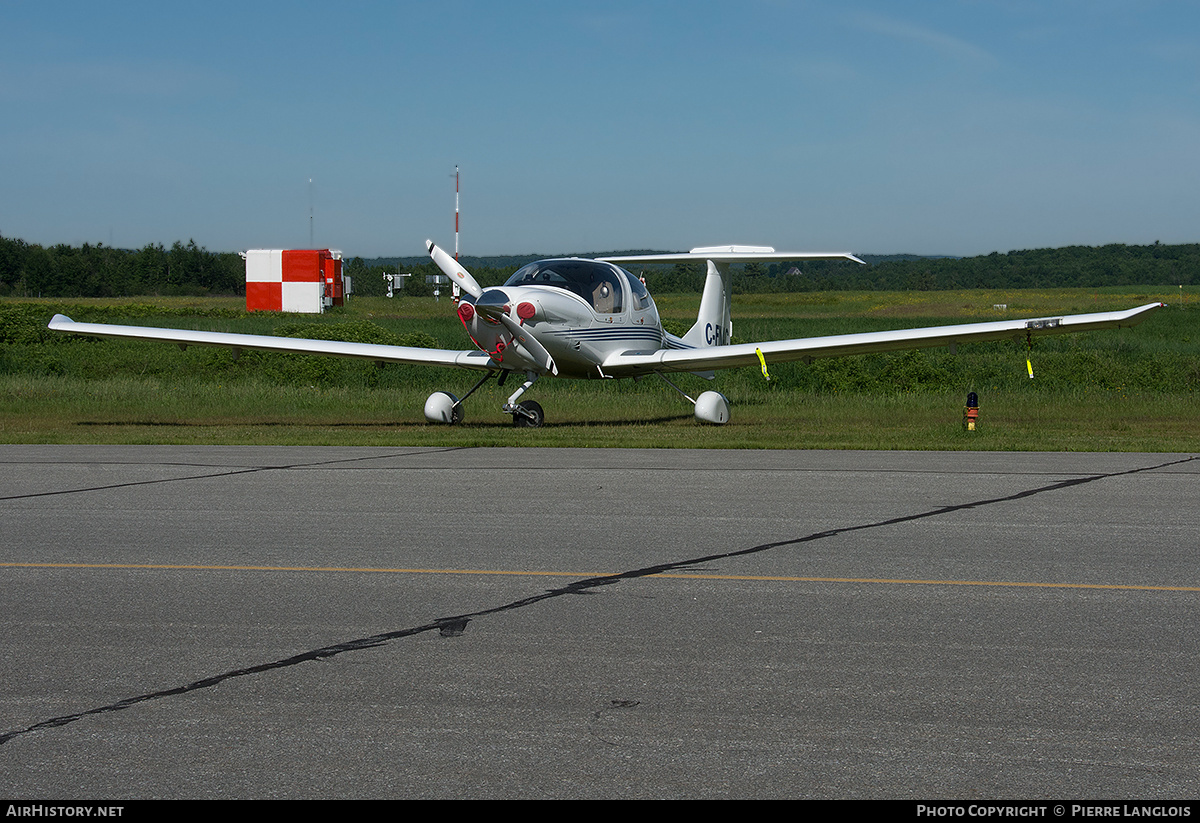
(635, 421)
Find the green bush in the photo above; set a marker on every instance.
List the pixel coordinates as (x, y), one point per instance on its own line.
(356, 331)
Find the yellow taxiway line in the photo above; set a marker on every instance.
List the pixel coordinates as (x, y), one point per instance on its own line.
(591, 575)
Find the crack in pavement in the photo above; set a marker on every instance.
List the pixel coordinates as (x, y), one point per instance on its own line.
(455, 625)
(223, 473)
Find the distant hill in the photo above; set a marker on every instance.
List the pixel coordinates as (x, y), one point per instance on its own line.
(875, 259)
(502, 261)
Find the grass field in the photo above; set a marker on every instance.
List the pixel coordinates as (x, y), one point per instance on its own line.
(1131, 390)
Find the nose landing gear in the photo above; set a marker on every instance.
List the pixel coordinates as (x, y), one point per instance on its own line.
(444, 407)
(528, 415)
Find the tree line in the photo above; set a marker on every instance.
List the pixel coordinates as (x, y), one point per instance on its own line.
(30, 270)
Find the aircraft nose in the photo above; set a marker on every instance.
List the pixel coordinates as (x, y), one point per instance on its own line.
(492, 297)
(491, 304)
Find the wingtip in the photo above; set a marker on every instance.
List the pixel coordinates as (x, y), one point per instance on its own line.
(429, 246)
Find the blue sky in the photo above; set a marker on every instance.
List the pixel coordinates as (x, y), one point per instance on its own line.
(940, 127)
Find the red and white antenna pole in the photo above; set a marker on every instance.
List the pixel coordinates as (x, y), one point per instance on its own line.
(454, 290)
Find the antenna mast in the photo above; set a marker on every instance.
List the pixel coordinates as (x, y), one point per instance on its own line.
(456, 214)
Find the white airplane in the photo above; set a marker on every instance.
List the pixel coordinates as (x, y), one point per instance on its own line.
(583, 318)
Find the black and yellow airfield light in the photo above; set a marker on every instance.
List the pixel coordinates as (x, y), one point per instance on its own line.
(971, 412)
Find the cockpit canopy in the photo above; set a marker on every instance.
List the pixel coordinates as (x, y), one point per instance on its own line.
(597, 283)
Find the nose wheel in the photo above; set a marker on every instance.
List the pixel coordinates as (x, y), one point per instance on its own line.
(528, 415)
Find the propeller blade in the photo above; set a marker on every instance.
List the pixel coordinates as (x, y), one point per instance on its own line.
(451, 269)
(530, 343)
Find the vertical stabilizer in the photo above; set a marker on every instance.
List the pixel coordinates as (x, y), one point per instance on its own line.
(713, 326)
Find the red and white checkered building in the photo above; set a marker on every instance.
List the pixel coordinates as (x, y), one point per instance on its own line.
(294, 280)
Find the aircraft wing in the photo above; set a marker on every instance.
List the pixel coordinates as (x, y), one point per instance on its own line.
(368, 351)
(779, 351)
(732, 254)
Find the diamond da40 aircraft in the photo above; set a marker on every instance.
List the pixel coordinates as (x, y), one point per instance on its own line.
(585, 318)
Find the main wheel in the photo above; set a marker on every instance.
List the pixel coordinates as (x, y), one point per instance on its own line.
(533, 417)
(712, 407)
(443, 407)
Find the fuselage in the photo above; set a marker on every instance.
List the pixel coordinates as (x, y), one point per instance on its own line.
(580, 311)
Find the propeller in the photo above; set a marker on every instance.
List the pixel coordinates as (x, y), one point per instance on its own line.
(522, 335)
(450, 267)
